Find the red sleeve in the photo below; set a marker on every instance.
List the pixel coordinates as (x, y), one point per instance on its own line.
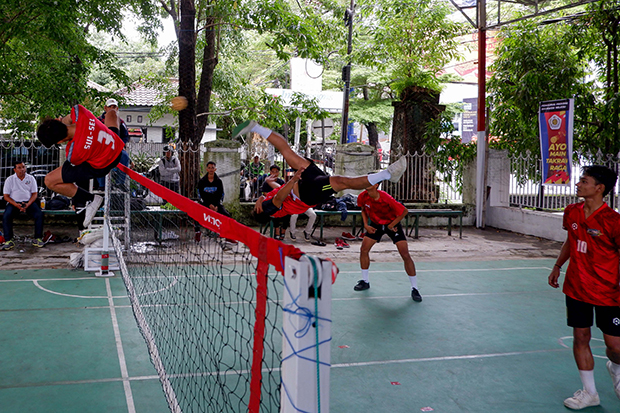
(360, 198)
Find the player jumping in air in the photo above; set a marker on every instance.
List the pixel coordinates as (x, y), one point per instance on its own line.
(592, 283)
(385, 215)
(314, 186)
(93, 150)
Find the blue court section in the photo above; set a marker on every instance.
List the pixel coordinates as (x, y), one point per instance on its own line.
(488, 337)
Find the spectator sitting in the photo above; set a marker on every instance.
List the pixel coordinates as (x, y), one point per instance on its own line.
(274, 176)
(20, 193)
(273, 181)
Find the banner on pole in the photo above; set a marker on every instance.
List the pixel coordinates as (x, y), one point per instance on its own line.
(555, 119)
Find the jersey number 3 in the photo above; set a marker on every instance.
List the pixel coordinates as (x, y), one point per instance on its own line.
(105, 138)
(582, 246)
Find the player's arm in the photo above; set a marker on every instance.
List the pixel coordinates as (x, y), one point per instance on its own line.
(367, 226)
(397, 220)
(562, 258)
(271, 181)
(258, 206)
(278, 200)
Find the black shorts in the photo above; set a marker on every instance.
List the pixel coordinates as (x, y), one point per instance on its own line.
(268, 210)
(581, 315)
(395, 236)
(314, 186)
(84, 171)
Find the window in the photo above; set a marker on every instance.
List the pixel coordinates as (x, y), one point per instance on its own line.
(139, 119)
(128, 118)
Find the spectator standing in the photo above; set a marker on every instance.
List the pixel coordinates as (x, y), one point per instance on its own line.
(256, 172)
(169, 169)
(20, 193)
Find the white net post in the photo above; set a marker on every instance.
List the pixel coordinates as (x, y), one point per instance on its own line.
(104, 270)
(306, 335)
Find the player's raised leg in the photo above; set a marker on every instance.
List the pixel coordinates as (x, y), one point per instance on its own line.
(292, 158)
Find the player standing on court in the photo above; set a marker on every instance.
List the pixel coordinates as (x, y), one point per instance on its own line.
(93, 150)
(591, 285)
(385, 214)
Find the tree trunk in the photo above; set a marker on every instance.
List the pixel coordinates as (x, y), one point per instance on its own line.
(209, 61)
(187, 70)
(416, 108)
(373, 140)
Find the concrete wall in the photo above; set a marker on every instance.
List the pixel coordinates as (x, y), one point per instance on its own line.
(539, 224)
(225, 154)
(354, 159)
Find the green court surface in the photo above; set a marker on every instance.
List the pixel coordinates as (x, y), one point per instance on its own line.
(489, 336)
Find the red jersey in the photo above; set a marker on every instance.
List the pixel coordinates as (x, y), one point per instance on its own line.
(592, 274)
(92, 142)
(290, 206)
(381, 211)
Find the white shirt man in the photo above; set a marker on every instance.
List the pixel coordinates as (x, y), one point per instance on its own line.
(20, 193)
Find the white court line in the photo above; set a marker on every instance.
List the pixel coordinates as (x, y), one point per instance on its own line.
(340, 365)
(36, 283)
(119, 349)
(459, 270)
(446, 358)
(561, 342)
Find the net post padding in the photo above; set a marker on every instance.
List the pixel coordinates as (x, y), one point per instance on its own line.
(226, 227)
(306, 335)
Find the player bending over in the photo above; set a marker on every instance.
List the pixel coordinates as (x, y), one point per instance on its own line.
(591, 284)
(93, 150)
(385, 215)
(314, 187)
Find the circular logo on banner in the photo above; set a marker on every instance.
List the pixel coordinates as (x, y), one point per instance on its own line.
(555, 122)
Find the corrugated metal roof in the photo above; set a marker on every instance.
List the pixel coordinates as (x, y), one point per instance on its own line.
(139, 94)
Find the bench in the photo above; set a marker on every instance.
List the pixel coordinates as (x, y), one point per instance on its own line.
(416, 213)
(449, 213)
(321, 215)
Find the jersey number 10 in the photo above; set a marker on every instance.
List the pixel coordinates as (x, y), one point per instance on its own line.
(582, 246)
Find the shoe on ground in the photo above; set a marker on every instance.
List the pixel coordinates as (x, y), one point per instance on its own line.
(338, 243)
(292, 235)
(38, 243)
(344, 244)
(168, 235)
(615, 378)
(415, 295)
(397, 169)
(361, 285)
(7, 245)
(243, 128)
(348, 236)
(582, 399)
(91, 209)
(306, 236)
